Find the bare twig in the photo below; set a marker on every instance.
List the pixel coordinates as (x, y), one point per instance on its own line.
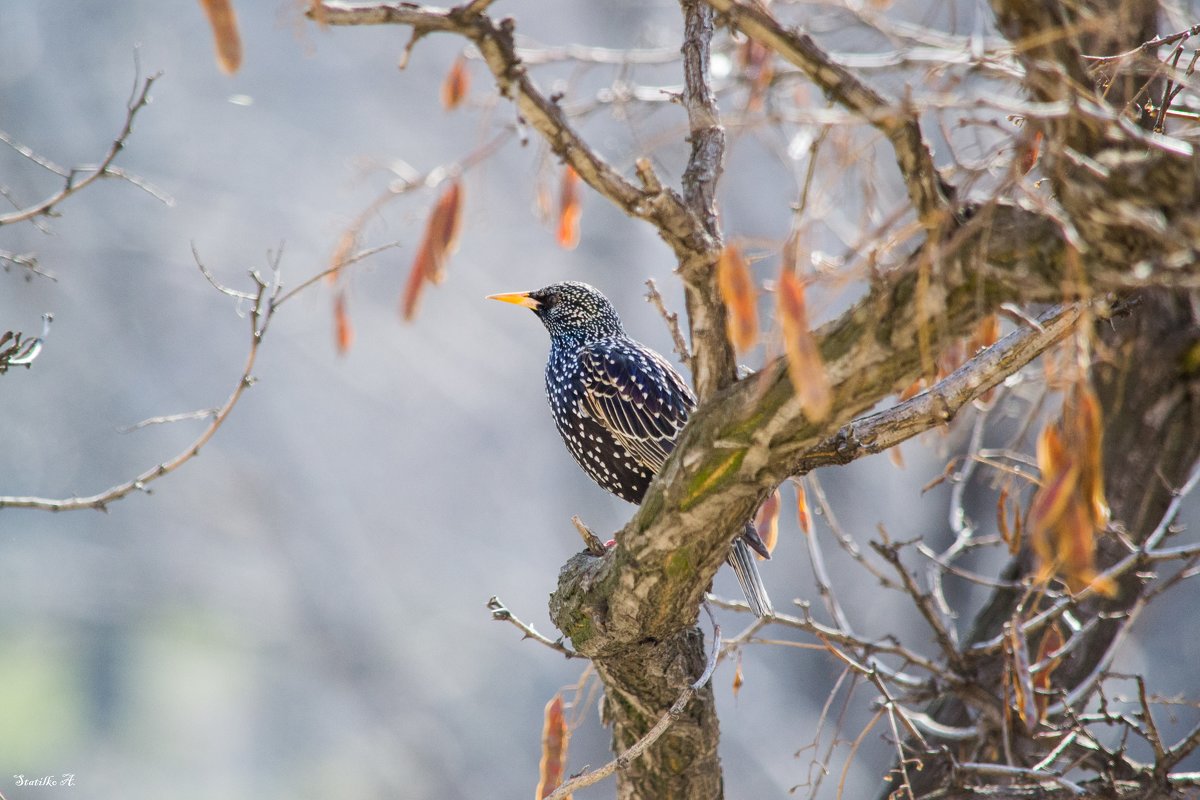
(594, 544)
(713, 363)
(1182, 749)
(533, 54)
(1146, 47)
(825, 585)
(104, 169)
(672, 320)
(26, 261)
(946, 637)
(204, 413)
(1004, 771)
(898, 123)
(844, 539)
(500, 613)
(264, 302)
(336, 268)
(344, 255)
(260, 316)
(866, 648)
(212, 279)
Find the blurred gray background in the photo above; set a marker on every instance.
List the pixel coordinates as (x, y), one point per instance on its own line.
(299, 611)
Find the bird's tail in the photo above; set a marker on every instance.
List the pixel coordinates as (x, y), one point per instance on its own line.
(741, 558)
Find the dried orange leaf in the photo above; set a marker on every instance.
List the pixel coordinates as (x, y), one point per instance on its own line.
(1030, 149)
(569, 209)
(738, 679)
(1018, 527)
(437, 244)
(1022, 679)
(555, 738)
(805, 365)
(1051, 642)
(1089, 434)
(1051, 508)
(1010, 535)
(456, 84)
(441, 232)
(1051, 452)
(223, 22)
(896, 456)
(1002, 517)
(412, 289)
(341, 319)
(1069, 509)
(740, 297)
(803, 515)
(766, 521)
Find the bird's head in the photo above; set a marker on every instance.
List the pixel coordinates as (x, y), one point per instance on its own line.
(569, 310)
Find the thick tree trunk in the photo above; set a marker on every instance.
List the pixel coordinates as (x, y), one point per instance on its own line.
(643, 677)
(639, 686)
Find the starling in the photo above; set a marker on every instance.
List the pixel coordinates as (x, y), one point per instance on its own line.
(619, 406)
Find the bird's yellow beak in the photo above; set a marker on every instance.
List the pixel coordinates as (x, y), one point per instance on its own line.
(516, 298)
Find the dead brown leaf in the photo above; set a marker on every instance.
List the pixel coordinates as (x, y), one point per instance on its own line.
(456, 84)
(805, 365)
(555, 738)
(740, 296)
(766, 521)
(569, 209)
(344, 331)
(223, 21)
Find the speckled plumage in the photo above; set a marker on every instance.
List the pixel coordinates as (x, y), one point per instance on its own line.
(619, 405)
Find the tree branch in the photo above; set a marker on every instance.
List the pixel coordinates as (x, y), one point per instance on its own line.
(500, 613)
(939, 404)
(713, 363)
(660, 206)
(261, 310)
(139, 100)
(264, 302)
(898, 123)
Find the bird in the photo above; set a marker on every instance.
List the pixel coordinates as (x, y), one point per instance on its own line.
(620, 406)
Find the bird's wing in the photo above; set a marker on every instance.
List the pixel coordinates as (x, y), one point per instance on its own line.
(634, 393)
